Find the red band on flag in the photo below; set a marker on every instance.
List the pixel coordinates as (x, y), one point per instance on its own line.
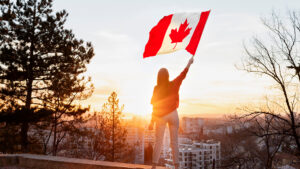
(156, 36)
(192, 46)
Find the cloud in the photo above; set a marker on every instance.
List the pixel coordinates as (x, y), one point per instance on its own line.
(103, 90)
(204, 108)
(198, 103)
(113, 36)
(114, 47)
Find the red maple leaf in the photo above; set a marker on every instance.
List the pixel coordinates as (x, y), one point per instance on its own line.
(178, 36)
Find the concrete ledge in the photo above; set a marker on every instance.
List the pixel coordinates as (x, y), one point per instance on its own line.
(31, 161)
(8, 160)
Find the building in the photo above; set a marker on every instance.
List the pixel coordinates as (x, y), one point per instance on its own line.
(150, 139)
(192, 125)
(135, 138)
(182, 139)
(201, 155)
(286, 161)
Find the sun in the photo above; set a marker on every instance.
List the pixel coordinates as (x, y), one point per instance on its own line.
(137, 105)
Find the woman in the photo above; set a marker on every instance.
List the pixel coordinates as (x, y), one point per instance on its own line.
(165, 101)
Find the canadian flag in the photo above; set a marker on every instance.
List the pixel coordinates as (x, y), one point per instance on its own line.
(176, 31)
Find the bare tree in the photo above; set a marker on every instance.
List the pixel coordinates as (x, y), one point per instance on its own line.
(270, 143)
(263, 129)
(238, 149)
(276, 56)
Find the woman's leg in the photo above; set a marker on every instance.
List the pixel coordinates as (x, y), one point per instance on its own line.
(174, 126)
(159, 135)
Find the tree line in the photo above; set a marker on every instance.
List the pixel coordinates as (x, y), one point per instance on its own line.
(42, 82)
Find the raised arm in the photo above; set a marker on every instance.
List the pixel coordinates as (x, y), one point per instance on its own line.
(191, 61)
(178, 80)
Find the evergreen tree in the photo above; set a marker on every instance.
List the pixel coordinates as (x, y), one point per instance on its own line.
(41, 63)
(116, 132)
(66, 89)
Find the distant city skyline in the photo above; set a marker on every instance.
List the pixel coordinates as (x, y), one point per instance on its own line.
(119, 31)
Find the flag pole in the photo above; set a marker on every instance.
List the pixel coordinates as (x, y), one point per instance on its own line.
(193, 56)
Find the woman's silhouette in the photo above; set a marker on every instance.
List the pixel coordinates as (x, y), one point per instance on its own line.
(165, 101)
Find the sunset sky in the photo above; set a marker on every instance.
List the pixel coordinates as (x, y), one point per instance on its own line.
(213, 87)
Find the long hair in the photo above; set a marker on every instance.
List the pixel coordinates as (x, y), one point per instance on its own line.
(163, 82)
(162, 77)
